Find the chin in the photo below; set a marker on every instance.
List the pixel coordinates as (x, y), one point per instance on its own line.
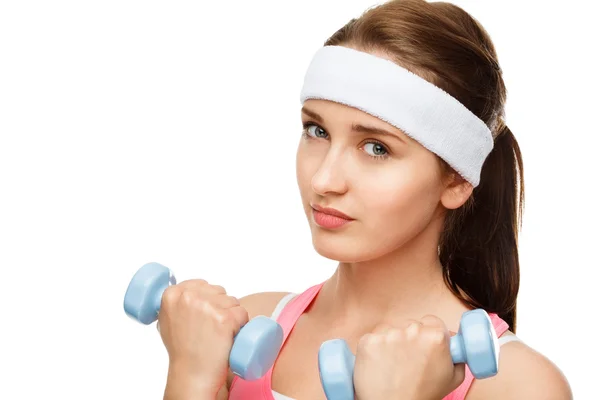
(343, 248)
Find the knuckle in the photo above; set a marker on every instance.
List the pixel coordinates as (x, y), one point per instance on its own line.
(245, 315)
(435, 337)
(194, 283)
(381, 328)
(224, 317)
(431, 317)
(432, 320)
(368, 340)
(191, 299)
(413, 329)
(170, 295)
(218, 289)
(395, 335)
(438, 337)
(362, 342)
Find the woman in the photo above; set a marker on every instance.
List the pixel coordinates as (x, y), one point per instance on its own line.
(418, 193)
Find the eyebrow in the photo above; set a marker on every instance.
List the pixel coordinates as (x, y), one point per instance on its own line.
(355, 127)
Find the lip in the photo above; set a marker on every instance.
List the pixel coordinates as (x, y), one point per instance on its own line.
(331, 211)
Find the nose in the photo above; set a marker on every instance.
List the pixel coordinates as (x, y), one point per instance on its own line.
(330, 178)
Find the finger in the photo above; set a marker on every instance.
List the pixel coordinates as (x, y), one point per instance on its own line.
(408, 322)
(382, 328)
(398, 323)
(370, 341)
(201, 284)
(413, 328)
(459, 374)
(241, 316)
(433, 322)
(192, 283)
(219, 304)
(216, 289)
(224, 301)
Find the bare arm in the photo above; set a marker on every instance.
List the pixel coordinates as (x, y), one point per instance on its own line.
(523, 374)
(182, 385)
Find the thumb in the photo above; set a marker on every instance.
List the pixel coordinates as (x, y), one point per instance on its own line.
(459, 375)
(459, 370)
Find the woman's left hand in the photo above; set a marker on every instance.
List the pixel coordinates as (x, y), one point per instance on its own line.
(409, 363)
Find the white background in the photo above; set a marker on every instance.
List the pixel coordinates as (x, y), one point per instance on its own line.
(137, 131)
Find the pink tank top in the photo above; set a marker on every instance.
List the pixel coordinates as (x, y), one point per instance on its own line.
(261, 388)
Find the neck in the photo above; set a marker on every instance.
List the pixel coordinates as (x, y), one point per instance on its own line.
(404, 284)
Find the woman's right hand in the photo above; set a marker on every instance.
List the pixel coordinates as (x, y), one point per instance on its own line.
(197, 322)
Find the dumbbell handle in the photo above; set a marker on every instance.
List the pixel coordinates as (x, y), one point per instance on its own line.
(457, 349)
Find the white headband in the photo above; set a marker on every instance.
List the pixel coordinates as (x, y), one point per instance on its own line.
(412, 104)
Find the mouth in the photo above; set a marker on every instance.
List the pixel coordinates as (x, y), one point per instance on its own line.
(331, 211)
(329, 218)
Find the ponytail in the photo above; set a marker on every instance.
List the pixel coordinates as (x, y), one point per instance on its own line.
(479, 243)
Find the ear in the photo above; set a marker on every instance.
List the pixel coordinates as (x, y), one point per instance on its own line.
(456, 192)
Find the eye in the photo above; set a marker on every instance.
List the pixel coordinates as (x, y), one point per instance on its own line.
(376, 149)
(313, 130)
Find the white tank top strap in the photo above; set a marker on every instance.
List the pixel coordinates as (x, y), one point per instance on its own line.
(281, 305)
(278, 309)
(508, 338)
(279, 396)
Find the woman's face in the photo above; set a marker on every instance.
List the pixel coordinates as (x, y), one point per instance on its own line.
(388, 184)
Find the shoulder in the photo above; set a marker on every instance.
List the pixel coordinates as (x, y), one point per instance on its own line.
(523, 373)
(262, 303)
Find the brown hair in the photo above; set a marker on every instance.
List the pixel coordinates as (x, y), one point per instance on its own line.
(443, 44)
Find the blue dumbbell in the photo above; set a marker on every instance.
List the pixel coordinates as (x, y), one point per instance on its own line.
(475, 344)
(255, 347)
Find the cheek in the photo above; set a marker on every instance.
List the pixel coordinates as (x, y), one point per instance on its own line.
(401, 200)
